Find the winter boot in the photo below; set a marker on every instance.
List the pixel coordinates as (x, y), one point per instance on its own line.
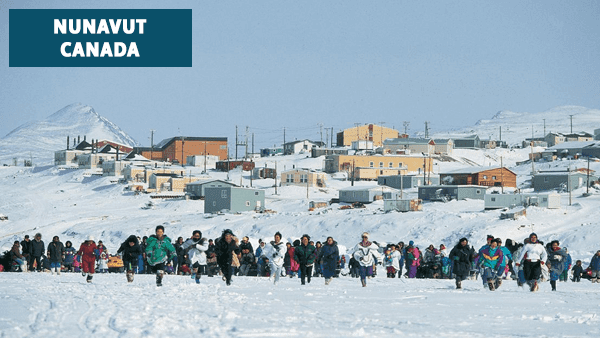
(130, 277)
(458, 284)
(553, 283)
(52, 271)
(82, 273)
(89, 278)
(197, 278)
(491, 286)
(498, 283)
(533, 286)
(364, 283)
(159, 277)
(228, 282)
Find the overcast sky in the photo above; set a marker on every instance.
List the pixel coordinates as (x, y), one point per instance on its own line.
(296, 64)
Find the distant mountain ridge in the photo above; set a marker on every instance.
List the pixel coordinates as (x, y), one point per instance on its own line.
(516, 126)
(40, 139)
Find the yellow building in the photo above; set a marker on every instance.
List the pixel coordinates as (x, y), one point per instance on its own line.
(301, 176)
(367, 132)
(418, 164)
(371, 174)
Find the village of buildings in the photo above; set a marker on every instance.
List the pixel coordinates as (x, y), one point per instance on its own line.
(373, 162)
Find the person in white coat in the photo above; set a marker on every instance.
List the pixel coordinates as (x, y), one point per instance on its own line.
(533, 256)
(275, 252)
(365, 254)
(391, 261)
(196, 248)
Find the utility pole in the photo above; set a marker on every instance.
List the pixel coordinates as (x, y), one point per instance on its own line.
(332, 137)
(321, 131)
(307, 172)
(352, 182)
(182, 144)
(426, 129)
(152, 144)
(252, 143)
(405, 123)
(205, 157)
(571, 116)
(326, 137)
(275, 177)
(501, 175)
(246, 156)
(587, 183)
(283, 140)
(381, 128)
(544, 127)
(500, 134)
(236, 141)
(532, 131)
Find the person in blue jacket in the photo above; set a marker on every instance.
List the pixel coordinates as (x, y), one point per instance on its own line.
(490, 262)
(329, 255)
(595, 267)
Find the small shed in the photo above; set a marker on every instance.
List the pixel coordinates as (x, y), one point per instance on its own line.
(233, 199)
(367, 194)
(408, 181)
(402, 205)
(264, 172)
(514, 213)
(316, 152)
(446, 193)
(498, 201)
(199, 161)
(196, 190)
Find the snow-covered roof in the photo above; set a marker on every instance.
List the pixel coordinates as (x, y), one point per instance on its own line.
(201, 182)
(572, 145)
(407, 141)
(368, 187)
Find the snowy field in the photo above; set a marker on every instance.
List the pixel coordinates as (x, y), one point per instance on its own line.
(41, 305)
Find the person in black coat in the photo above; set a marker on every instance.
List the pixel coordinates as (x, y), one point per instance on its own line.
(305, 254)
(36, 251)
(226, 246)
(56, 253)
(25, 249)
(462, 258)
(131, 250)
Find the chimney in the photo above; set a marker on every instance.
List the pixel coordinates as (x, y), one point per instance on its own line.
(67, 142)
(78, 139)
(84, 137)
(74, 142)
(117, 153)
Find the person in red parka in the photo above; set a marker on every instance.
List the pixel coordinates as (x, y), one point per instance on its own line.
(88, 258)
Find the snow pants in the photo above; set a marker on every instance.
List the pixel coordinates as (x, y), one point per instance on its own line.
(130, 266)
(276, 271)
(412, 271)
(37, 260)
(365, 271)
(488, 275)
(227, 271)
(305, 272)
(88, 266)
(532, 270)
(554, 276)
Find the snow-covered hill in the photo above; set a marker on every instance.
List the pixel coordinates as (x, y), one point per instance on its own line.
(40, 139)
(516, 126)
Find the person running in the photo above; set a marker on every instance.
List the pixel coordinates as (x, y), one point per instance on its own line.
(158, 252)
(196, 248)
(461, 257)
(556, 262)
(275, 251)
(305, 254)
(225, 247)
(595, 267)
(87, 252)
(131, 252)
(365, 253)
(534, 254)
(490, 261)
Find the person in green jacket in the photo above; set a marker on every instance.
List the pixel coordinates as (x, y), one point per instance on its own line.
(159, 251)
(305, 254)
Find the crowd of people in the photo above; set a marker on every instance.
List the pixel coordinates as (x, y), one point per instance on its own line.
(529, 262)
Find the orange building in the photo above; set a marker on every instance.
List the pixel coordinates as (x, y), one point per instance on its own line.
(177, 149)
(367, 132)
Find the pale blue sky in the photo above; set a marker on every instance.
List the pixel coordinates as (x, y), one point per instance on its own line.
(294, 64)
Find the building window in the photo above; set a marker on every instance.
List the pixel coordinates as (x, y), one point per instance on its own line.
(493, 199)
(546, 179)
(289, 178)
(478, 191)
(303, 178)
(380, 172)
(256, 193)
(494, 177)
(391, 165)
(545, 199)
(247, 203)
(380, 164)
(485, 177)
(214, 203)
(399, 164)
(223, 193)
(371, 164)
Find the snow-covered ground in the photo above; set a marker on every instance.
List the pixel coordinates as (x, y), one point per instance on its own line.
(40, 305)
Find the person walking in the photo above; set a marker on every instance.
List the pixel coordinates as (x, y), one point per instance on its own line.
(56, 254)
(37, 249)
(462, 259)
(196, 248)
(329, 255)
(556, 262)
